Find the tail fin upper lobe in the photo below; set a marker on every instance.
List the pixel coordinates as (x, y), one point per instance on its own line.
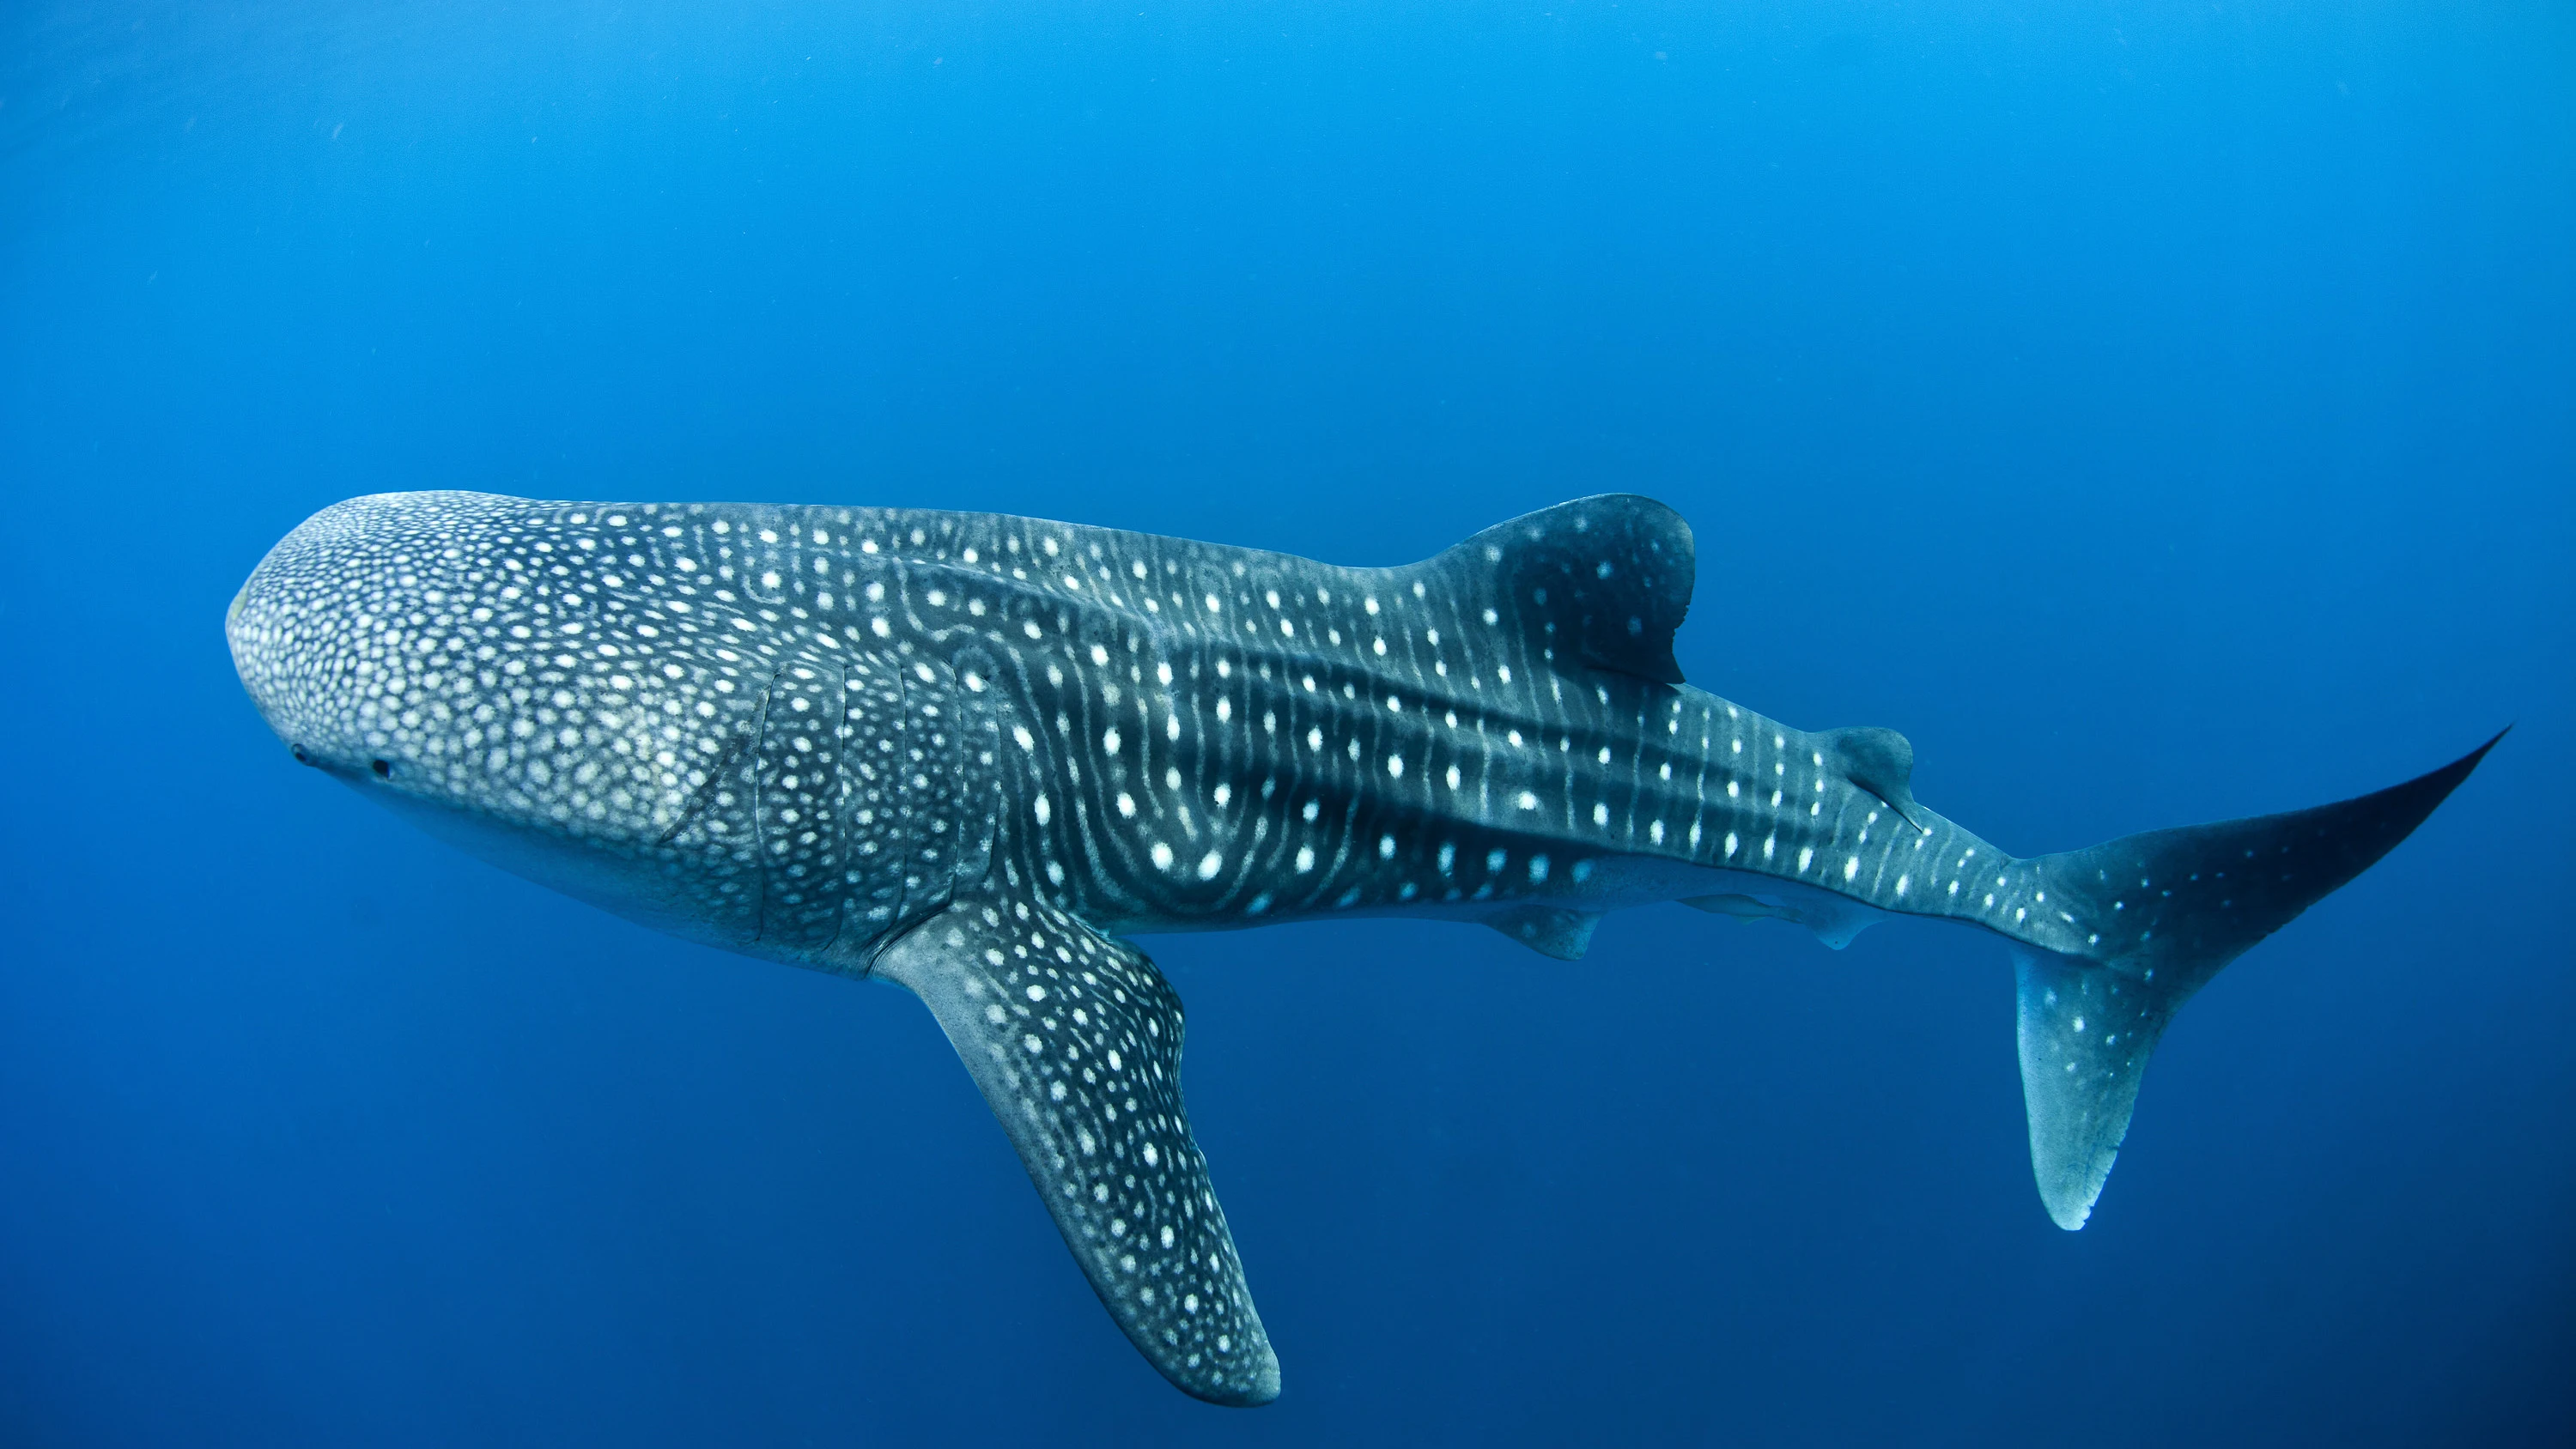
(2166, 910)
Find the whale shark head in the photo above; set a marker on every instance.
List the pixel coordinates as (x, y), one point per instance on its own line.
(447, 654)
(320, 636)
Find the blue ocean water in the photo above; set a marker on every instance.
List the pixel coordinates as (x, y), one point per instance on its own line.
(2159, 411)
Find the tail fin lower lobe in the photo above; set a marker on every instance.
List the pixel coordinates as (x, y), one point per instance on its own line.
(2165, 911)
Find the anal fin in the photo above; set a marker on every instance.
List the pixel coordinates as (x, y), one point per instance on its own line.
(1736, 908)
(1834, 921)
(1548, 930)
(1075, 1040)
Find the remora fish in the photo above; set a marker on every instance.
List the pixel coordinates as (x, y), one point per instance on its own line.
(967, 754)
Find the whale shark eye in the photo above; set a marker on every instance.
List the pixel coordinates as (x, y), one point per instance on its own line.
(297, 751)
(384, 769)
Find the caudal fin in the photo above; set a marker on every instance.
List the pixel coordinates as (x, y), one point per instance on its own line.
(2163, 912)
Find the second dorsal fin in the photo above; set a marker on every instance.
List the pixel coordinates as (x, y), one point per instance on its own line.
(1606, 579)
(1880, 761)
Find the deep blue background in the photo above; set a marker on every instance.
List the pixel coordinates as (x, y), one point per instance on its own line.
(2159, 411)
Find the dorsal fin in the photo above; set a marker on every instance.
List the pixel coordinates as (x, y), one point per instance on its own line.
(1607, 579)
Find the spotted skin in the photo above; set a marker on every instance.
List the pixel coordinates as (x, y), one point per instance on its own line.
(1076, 1043)
(964, 753)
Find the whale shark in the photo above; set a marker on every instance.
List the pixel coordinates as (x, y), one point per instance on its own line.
(972, 755)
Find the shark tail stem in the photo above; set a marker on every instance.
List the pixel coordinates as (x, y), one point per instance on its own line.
(2164, 911)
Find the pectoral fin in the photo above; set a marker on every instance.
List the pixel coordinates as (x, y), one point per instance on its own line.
(1075, 1040)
